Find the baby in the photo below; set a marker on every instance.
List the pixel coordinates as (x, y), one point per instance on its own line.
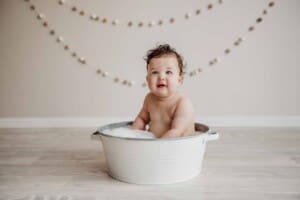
(165, 110)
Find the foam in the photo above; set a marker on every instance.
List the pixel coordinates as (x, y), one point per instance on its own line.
(126, 132)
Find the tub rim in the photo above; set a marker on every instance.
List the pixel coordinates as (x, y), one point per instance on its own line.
(201, 129)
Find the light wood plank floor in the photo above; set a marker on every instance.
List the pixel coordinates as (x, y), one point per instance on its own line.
(245, 163)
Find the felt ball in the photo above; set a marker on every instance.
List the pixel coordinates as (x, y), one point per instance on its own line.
(227, 51)
(188, 16)
(40, 16)
(82, 12)
(151, 24)
(115, 22)
(251, 28)
(209, 6)
(271, 4)
(172, 20)
(141, 24)
(258, 20)
(61, 2)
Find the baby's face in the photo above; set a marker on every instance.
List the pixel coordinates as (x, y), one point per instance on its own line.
(163, 76)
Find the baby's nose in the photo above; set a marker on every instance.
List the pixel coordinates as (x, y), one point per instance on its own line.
(162, 76)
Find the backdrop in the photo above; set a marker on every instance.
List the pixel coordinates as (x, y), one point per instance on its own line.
(39, 78)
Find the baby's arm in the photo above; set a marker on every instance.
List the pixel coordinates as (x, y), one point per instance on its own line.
(142, 119)
(184, 116)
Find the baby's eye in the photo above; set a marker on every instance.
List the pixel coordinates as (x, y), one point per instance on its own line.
(154, 72)
(169, 72)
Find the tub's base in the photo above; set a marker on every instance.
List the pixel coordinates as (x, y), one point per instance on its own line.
(153, 182)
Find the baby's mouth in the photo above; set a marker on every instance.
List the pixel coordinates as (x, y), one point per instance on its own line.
(161, 85)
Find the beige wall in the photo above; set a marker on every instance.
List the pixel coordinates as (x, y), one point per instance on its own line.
(40, 79)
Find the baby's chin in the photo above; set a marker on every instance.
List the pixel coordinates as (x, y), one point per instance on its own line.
(161, 94)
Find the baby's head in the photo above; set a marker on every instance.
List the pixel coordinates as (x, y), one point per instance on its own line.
(164, 71)
(165, 50)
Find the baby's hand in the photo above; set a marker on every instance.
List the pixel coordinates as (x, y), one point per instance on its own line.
(172, 133)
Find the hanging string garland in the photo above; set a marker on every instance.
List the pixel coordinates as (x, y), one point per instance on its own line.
(139, 23)
(82, 60)
(125, 82)
(236, 43)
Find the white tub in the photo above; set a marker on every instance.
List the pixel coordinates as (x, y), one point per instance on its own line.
(154, 161)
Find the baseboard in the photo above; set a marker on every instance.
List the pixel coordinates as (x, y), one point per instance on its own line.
(215, 121)
(252, 121)
(56, 122)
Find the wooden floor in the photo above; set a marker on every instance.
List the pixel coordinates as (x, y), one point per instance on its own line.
(245, 163)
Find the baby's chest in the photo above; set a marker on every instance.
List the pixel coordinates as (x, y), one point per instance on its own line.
(164, 114)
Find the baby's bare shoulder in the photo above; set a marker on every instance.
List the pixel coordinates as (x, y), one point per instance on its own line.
(184, 105)
(184, 101)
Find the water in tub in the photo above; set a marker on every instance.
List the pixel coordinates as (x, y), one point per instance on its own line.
(126, 132)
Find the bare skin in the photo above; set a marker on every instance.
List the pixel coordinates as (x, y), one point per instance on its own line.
(168, 113)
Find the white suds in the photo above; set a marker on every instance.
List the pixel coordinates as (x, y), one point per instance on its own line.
(125, 132)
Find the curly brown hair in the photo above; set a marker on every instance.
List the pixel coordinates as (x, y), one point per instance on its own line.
(165, 49)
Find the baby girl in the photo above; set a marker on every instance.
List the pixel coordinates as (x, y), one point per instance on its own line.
(167, 112)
